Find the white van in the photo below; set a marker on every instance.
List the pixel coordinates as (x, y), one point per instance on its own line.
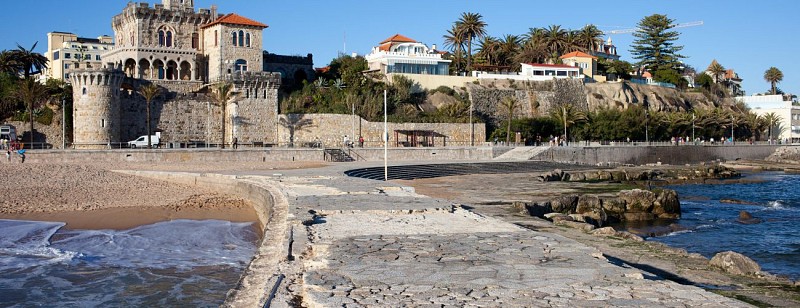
(8, 132)
(141, 142)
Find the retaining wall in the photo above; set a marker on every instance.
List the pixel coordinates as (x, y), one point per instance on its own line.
(639, 155)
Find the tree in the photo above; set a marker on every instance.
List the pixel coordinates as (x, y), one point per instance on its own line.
(773, 75)
(567, 115)
(509, 104)
(509, 48)
(654, 43)
(9, 64)
(295, 122)
(30, 62)
(223, 95)
(772, 120)
(471, 26)
(589, 37)
(454, 39)
(489, 50)
(555, 40)
(33, 94)
(716, 70)
(149, 92)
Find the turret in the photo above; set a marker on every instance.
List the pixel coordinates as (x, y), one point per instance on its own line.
(96, 106)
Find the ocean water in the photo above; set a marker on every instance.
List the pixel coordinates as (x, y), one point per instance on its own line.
(186, 263)
(711, 226)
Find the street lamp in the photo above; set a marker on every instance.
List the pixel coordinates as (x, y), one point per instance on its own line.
(733, 140)
(693, 117)
(564, 118)
(646, 124)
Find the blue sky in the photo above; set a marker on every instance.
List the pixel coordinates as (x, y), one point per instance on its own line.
(747, 36)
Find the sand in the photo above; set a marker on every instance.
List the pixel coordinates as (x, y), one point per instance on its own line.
(95, 197)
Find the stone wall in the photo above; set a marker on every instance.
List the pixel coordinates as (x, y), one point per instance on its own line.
(641, 155)
(330, 129)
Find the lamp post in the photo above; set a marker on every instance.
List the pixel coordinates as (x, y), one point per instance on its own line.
(733, 140)
(471, 126)
(646, 124)
(353, 121)
(385, 141)
(564, 118)
(693, 117)
(63, 123)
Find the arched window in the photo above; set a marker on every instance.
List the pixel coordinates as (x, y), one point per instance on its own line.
(240, 65)
(160, 38)
(234, 38)
(247, 40)
(241, 38)
(169, 38)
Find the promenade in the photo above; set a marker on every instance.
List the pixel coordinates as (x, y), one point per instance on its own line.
(355, 242)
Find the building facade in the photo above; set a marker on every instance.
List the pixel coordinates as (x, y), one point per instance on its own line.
(66, 51)
(185, 52)
(400, 54)
(585, 62)
(788, 128)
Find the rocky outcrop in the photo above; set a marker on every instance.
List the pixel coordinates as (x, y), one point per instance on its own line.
(735, 263)
(787, 155)
(638, 174)
(623, 95)
(628, 205)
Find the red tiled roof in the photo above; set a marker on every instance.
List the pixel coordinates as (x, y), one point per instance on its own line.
(551, 65)
(398, 38)
(577, 54)
(234, 19)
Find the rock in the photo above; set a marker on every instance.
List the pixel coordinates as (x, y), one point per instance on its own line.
(666, 203)
(574, 224)
(552, 176)
(538, 209)
(747, 218)
(635, 275)
(735, 263)
(564, 204)
(551, 216)
(577, 217)
(637, 200)
(587, 203)
(638, 216)
(735, 201)
(629, 236)
(605, 231)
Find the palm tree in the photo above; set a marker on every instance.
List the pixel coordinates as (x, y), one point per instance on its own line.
(772, 120)
(773, 75)
(489, 50)
(589, 37)
(509, 104)
(567, 115)
(510, 46)
(222, 96)
(716, 70)
(454, 39)
(30, 62)
(8, 64)
(472, 26)
(755, 124)
(149, 92)
(534, 36)
(33, 94)
(555, 38)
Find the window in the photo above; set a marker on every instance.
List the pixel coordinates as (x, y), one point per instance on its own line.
(240, 65)
(66, 66)
(169, 38)
(56, 55)
(94, 47)
(161, 38)
(66, 76)
(195, 40)
(241, 38)
(216, 38)
(97, 57)
(87, 57)
(67, 55)
(234, 38)
(247, 40)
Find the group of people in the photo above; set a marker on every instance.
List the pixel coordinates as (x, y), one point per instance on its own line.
(349, 144)
(12, 147)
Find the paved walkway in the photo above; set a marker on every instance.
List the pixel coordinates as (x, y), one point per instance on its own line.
(358, 242)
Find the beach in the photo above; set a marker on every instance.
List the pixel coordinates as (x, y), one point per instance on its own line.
(92, 196)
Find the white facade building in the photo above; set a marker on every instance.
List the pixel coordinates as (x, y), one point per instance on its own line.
(66, 51)
(400, 54)
(789, 127)
(536, 72)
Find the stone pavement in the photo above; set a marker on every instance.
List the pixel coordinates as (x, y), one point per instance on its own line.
(365, 243)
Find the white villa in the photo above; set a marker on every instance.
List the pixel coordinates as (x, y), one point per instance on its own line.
(400, 54)
(536, 72)
(789, 127)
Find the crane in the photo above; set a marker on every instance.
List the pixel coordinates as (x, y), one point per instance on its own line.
(681, 25)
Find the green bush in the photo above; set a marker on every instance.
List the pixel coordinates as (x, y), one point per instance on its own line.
(44, 116)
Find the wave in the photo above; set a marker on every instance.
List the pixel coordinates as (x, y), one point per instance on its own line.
(679, 232)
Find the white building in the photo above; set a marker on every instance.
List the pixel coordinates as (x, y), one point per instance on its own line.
(400, 54)
(789, 127)
(67, 51)
(536, 72)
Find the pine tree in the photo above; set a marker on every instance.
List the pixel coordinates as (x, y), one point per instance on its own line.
(654, 45)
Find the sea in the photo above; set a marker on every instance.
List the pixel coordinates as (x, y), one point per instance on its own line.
(709, 225)
(184, 263)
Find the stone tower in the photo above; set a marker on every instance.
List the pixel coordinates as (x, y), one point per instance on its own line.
(96, 106)
(178, 4)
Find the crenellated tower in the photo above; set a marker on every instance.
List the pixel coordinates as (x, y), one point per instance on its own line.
(253, 116)
(95, 94)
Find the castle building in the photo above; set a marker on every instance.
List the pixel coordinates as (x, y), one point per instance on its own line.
(67, 51)
(185, 52)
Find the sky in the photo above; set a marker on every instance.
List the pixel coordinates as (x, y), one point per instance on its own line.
(744, 35)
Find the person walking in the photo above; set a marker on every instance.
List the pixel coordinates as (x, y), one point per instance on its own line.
(346, 141)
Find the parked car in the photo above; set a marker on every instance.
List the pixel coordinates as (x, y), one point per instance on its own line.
(141, 142)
